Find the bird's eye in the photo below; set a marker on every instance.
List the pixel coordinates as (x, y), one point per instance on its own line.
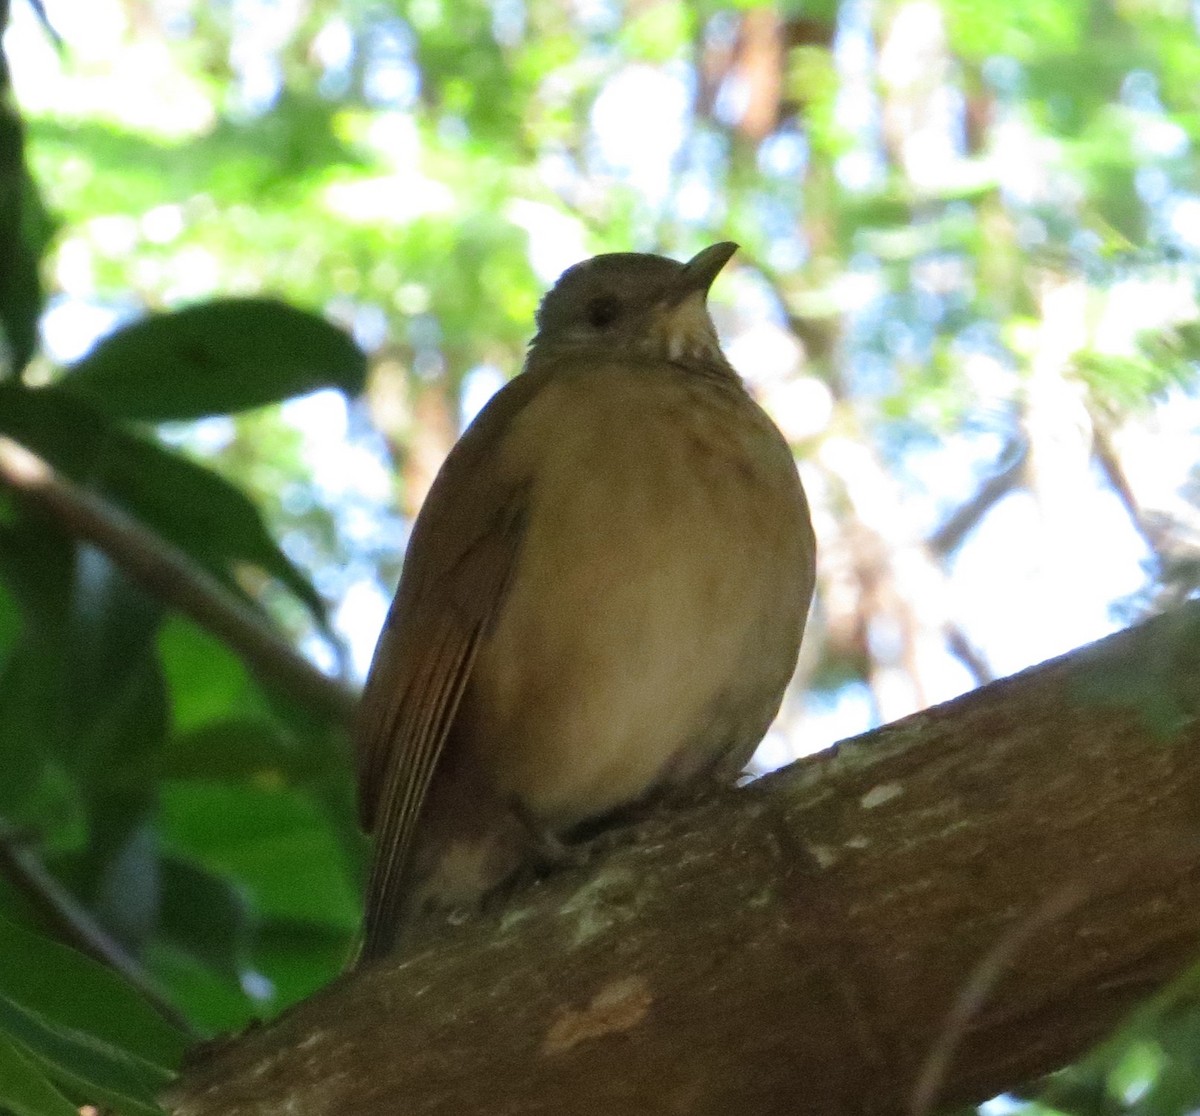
(602, 311)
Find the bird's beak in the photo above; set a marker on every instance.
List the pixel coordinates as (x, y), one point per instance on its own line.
(700, 271)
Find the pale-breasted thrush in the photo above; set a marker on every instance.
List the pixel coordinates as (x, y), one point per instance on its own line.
(602, 598)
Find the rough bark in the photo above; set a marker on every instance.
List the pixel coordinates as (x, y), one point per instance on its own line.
(928, 914)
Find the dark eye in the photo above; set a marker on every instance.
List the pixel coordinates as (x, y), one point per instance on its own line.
(602, 311)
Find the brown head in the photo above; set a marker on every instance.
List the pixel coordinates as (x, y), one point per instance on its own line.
(635, 302)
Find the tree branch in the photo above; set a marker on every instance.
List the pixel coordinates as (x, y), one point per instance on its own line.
(1105, 453)
(929, 914)
(947, 538)
(968, 654)
(167, 574)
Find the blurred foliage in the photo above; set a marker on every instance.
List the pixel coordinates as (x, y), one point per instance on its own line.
(913, 183)
(82, 1026)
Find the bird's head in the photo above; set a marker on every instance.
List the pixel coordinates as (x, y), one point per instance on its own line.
(630, 301)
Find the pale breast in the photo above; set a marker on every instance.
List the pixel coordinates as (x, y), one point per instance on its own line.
(659, 596)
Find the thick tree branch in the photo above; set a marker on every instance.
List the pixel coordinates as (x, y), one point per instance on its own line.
(928, 914)
(168, 575)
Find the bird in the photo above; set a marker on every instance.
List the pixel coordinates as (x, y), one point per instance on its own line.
(601, 602)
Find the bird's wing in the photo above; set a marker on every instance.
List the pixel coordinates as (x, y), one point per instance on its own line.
(457, 569)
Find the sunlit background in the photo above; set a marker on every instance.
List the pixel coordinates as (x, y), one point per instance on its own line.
(658, 129)
(967, 290)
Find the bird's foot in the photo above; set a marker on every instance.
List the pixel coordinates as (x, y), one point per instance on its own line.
(547, 851)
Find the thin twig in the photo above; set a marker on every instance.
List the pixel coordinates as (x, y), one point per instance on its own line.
(968, 654)
(1108, 460)
(70, 922)
(167, 574)
(978, 988)
(947, 538)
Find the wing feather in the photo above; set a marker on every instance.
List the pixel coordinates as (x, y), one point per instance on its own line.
(419, 716)
(458, 567)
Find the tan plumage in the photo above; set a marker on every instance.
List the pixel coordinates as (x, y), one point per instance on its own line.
(602, 598)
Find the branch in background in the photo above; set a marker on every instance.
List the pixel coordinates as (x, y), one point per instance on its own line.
(1172, 537)
(968, 654)
(72, 923)
(167, 574)
(947, 538)
(818, 337)
(1106, 456)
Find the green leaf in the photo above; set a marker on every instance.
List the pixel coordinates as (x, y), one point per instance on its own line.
(214, 358)
(214, 1004)
(1175, 1091)
(81, 693)
(33, 575)
(24, 1088)
(276, 843)
(199, 511)
(28, 692)
(36, 565)
(22, 762)
(298, 958)
(108, 666)
(24, 231)
(107, 724)
(207, 681)
(205, 915)
(233, 749)
(1138, 1067)
(659, 33)
(85, 1065)
(77, 994)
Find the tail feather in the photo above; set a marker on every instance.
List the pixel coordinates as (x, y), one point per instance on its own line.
(470, 843)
